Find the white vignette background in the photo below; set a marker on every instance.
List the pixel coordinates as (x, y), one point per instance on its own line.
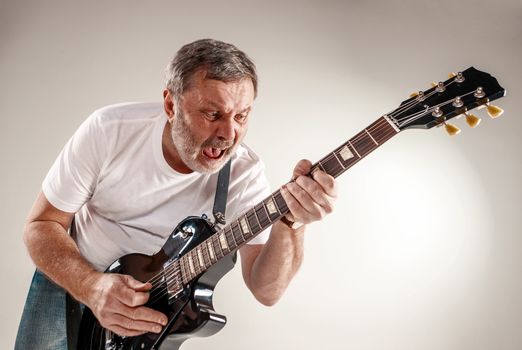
(424, 249)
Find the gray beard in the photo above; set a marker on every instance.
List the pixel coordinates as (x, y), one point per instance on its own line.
(189, 148)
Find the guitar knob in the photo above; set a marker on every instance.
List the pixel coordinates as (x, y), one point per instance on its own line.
(494, 111)
(472, 120)
(451, 129)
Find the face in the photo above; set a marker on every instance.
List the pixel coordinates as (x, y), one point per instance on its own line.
(209, 123)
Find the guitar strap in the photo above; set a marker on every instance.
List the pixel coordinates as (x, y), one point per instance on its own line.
(220, 200)
(73, 308)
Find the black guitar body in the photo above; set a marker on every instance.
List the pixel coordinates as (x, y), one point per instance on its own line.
(190, 313)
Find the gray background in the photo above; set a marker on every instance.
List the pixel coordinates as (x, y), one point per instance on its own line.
(424, 248)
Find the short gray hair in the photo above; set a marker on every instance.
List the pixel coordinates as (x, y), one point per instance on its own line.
(219, 60)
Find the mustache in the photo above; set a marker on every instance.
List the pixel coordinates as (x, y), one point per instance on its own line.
(218, 143)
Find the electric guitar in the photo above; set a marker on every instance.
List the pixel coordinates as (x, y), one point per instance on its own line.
(198, 253)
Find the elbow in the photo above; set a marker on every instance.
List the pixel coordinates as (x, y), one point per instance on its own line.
(269, 297)
(268, 301)
(26, 236)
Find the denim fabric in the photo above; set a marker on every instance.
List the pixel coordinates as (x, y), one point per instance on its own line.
(43, 323)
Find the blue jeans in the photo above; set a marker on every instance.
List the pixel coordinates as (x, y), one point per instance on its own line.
(43, 325)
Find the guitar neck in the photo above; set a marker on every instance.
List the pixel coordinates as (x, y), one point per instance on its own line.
(252, 222)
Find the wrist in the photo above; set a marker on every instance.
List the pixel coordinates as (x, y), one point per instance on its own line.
(294, 225)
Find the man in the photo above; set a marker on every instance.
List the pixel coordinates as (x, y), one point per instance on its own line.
(131, 172)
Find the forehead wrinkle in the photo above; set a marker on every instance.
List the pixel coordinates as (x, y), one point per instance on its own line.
(225, 96)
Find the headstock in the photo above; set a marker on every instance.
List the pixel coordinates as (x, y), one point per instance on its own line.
(445, 100)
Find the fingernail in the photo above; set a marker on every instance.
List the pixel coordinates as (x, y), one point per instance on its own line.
(157, 329)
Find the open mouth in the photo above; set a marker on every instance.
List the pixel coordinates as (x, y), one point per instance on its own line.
(213, 153)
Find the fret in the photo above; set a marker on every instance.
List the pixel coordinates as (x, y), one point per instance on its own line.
(363, 144)
(211, 252)
(337, 157)
(273, 212)
(191, 264)
(206, 255)
(376, 143)
(217, 246)
(223, 242)
(195, 261)
(201, 260)
(280, 203)
(333, 166)
(231, 241)
(262, 215)
(243, 226)
(183, 270)
(358, 155)
(253, 221)
(382, 130)
(236, 231)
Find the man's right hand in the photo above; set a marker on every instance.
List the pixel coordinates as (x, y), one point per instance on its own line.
(117, 302)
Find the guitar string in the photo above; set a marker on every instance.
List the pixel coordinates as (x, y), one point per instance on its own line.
(172, 272)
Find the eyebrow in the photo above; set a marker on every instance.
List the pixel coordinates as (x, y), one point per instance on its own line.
(218, 106)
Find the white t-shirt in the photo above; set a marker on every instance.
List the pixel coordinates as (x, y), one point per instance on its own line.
(127, 199)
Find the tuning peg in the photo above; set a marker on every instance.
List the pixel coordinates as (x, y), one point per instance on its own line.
(494, 111)
(452, 75)
(414, 94)
(451, 129)
(472, 120)
(433, 84)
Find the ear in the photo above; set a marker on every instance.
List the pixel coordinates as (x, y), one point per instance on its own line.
(168, 104)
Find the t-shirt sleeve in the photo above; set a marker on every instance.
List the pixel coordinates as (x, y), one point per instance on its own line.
(72, 178)
(257, 190)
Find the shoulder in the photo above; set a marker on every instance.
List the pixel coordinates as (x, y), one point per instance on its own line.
(130, 112)
(124, 120)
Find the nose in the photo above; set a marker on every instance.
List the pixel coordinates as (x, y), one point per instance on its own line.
(226, 129)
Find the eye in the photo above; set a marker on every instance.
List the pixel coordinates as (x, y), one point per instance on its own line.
(212, 115)
(241, 118)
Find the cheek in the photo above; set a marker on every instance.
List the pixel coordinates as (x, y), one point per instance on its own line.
(242, 132)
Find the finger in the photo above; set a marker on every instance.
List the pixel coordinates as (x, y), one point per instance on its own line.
(135, 284)
(327, 182)
(123, 331)
(300, 204)
(302, 168)
(316, 192)
(130, 297)
(134, 325)
(146, 314)
(129, 291)
(305, 201)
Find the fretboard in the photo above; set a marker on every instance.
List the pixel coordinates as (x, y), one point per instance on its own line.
(252, 222)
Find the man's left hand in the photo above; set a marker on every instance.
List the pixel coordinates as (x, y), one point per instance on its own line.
(309, 198)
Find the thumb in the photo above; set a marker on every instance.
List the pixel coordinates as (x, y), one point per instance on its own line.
(135, 284)
(302, 168)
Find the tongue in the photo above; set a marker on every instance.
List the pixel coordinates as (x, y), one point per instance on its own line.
(212, 152)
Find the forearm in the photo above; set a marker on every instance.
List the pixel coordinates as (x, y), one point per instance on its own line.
(55, 253)
(277, 263)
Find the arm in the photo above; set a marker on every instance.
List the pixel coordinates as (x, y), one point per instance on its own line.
(269, 268)
(114, 299)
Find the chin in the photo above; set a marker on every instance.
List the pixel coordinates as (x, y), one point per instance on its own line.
(209, 167)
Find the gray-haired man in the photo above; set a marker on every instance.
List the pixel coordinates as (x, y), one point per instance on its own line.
(131, 172)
